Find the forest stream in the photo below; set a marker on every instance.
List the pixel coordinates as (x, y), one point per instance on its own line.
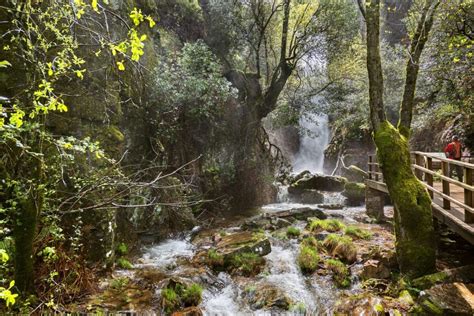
(236, 157)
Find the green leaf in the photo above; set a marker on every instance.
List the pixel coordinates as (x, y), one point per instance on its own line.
(4, 64)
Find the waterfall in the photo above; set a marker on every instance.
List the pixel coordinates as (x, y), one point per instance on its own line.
(313, 142)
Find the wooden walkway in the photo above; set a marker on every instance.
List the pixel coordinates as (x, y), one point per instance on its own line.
(452, 200)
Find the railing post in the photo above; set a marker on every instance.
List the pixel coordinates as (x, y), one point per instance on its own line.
(445, 171)
(420, 161)
(377, 170)
(370, 167)
(468, 195)
(429, 176)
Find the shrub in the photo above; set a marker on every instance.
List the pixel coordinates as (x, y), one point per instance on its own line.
(192, 295)
(308, 259)
(340, 272)
(357, 232)
(293, 232)
(330, 225)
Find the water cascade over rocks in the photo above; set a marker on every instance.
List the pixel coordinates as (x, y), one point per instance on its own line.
(277, 260)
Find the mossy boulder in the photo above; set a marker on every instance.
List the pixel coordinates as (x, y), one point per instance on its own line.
(448, 299)
(267, 296)
(355, 193)
(319, 182)
(463, 274)
(301, 213)
(243, 242)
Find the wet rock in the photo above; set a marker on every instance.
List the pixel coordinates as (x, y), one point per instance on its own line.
(364, 304)
(333, 206)
(279, 223)
(355, 193)
(463, 274)
(301, 175)
(267, 296)
(305, 196)
(354, 174)
(256, 223)
(319, 182)
(150, 277)
(243, 242)
(298, 214)
(374, 269)
(448, 299)
(189, 311)
(386, 256)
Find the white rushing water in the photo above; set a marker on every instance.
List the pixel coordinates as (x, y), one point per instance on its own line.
(312, 145)
(166, 253)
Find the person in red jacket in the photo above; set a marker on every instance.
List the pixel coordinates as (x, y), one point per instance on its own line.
(454, 151)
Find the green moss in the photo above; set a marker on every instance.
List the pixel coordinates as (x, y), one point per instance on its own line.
(311, 242)
(192, 295)
(430, 308)
(415, 242)
(357, 232)
(429, 280)
(293, 232)
(169, 300)
(341, 247)
(122, 249)
(333, 240)
(124, 263)
(115, 134)
(214, 259)
(330, 225)
(341, 274)
(308, 259)
(248, 263)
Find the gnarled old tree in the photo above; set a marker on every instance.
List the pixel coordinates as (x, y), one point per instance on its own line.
(415, 243)
(273, 36)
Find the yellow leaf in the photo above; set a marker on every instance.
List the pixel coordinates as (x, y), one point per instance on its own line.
(80, 73)
(136, 16)
(143, 38)
(120, 65)
(94, 5)
(150, 21)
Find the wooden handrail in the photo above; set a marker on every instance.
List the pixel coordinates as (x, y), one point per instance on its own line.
(450, 161)
(450, 180)
(422, 164)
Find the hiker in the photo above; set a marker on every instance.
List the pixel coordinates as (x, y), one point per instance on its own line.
(454, 151)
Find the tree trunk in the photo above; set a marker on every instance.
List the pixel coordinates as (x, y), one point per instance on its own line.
(24, 234)
(415, 239)
(414, 231)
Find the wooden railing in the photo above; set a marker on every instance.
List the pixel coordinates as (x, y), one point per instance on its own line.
(449, 195)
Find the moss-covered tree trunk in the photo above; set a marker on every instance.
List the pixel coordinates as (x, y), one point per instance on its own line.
(415, 242)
